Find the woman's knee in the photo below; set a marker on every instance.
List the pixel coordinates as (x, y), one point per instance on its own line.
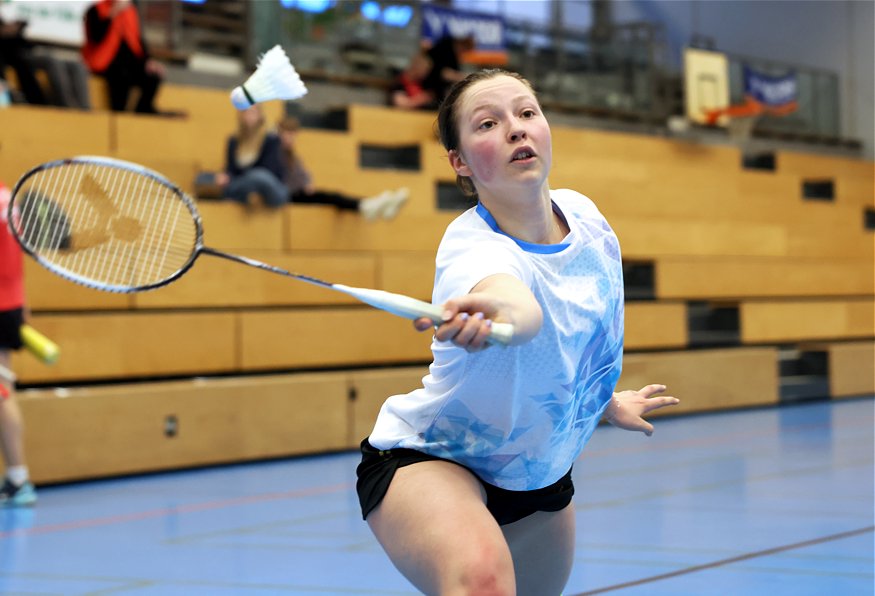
(268, 186)
(486, 572)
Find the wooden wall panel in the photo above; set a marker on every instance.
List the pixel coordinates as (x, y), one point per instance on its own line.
(702, 278)
(656, 325)
(698, 238)
(232, 227)
(371, 389)
(851, 368)
(44, 133)
(707, 380)
(410, 273)
(46, 291)
(323, 228)
(91, 432)
(218, 283)
(343, 336)
(381, 126)
(119, 345)
(799, 320)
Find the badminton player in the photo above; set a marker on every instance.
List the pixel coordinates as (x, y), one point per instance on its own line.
(466, 482)
(16, 489)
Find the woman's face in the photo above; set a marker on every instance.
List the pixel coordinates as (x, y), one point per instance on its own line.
(287, 137)
(504, 139)
(252, 117)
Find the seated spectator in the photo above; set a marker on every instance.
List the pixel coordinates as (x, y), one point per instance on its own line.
(254, 169)
(407, 92)
(302, 190)
(446, 64)
(68, 81)
(14, 52)
(115, 49)
(263, 167)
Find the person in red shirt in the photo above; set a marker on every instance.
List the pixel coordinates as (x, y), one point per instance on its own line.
(407, 91)
(16, 489)
(115, 49)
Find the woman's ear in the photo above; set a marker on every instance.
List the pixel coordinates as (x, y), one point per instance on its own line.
(458, 163)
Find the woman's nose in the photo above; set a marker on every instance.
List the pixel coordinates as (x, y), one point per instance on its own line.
(517, 134)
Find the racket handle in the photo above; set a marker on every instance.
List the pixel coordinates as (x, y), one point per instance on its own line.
(39, 345)
(411, 308)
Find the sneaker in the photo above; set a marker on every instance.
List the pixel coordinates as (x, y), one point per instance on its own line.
(373, 207)
(397, 198)
(17, 496)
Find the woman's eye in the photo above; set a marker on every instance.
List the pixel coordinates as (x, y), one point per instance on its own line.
(528, 113)
(487, 125)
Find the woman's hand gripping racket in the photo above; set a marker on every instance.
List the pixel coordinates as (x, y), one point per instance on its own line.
(118, 227)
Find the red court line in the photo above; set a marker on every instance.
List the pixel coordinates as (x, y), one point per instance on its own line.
(192, 508)
(720, 563)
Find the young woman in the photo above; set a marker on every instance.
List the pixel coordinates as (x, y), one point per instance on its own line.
(466, 482)
(263, 165)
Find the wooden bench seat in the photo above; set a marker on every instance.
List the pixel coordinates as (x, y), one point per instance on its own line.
(706, 380)
(118, 345)
(91, 432)
(696, 278)
(851, 367)
(784, 321)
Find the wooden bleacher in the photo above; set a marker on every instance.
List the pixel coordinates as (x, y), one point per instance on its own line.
(252, 365)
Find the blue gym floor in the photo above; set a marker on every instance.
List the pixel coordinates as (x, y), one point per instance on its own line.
(771, 501)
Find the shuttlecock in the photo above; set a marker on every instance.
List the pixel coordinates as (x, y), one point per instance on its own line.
(274, 78)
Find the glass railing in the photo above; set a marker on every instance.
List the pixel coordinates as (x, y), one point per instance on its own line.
(625, 76)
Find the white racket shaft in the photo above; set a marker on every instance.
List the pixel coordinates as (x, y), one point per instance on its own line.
(411, 308)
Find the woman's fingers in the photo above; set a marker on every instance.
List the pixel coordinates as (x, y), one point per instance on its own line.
(659, 402)
(651, 390)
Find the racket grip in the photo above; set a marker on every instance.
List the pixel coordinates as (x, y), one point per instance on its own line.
(411, 308)
(39, 345)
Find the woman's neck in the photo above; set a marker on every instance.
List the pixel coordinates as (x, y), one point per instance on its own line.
(528, 218)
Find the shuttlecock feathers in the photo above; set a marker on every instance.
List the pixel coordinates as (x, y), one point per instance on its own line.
(274, 78)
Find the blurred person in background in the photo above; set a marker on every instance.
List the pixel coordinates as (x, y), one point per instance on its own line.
(116, 50)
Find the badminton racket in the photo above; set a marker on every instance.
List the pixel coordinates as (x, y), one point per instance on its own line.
(116, 226)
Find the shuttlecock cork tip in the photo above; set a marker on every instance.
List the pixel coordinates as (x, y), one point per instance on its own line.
(241, 99)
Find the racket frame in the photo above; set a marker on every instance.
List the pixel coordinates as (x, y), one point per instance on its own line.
(86, 160)
(397, 304)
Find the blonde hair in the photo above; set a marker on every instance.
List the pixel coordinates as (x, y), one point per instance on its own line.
(289, 124)
(250, 139)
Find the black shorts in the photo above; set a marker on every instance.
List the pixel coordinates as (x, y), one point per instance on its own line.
(377, 469)
(10, 329)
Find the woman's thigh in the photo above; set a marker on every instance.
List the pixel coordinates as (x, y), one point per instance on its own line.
(542, 546)
(258, 180)
(434, 525)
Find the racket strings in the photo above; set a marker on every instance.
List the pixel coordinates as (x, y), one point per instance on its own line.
(106, 225)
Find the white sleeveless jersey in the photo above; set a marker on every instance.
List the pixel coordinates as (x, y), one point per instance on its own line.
(519, 416)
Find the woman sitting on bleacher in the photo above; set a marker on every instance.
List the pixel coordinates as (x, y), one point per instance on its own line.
(116, 50)
(261, 166)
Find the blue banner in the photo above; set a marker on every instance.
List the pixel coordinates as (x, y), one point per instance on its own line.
(769, 91)
(487, 30)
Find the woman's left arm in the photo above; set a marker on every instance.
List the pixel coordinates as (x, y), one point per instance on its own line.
(627, 408)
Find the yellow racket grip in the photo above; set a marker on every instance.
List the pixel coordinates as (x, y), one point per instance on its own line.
(39, 345)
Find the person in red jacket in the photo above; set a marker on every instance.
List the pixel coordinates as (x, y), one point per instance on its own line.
(16, 489)
(115, 49)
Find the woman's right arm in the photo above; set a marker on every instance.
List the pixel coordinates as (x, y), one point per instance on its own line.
(501, 298)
